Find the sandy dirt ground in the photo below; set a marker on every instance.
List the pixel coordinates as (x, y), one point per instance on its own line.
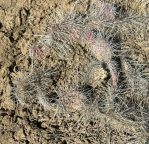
(58, 87)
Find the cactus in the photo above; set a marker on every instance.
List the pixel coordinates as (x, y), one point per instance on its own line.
(72, 100)
(102, 11)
